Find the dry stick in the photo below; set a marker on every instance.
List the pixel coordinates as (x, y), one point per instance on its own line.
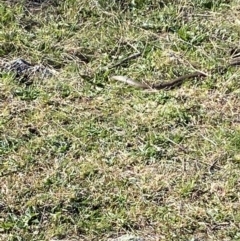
(132, 56)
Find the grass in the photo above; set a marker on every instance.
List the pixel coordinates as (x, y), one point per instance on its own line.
(83, 157)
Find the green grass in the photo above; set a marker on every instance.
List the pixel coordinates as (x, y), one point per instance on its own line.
(83, 157)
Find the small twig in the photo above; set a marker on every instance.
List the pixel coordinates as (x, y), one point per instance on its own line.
(132, 56)
(176, 144)
(130, 45)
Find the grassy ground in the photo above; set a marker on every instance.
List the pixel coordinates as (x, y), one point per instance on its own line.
(83, 157)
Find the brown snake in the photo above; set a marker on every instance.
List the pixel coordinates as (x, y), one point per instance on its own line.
(175, 82)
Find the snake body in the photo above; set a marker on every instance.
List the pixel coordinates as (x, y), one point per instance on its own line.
(175, 82)
(164, 85)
